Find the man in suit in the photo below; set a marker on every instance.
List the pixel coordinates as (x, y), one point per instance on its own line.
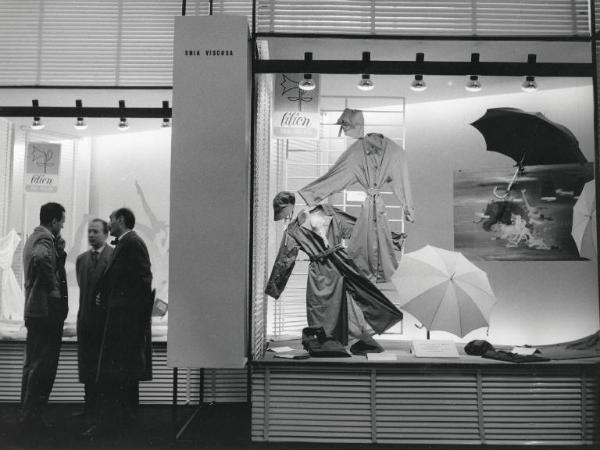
(46, 307)
(126, 350)
(89, 267)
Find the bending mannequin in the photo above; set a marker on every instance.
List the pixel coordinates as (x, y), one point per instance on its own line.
(338, 297)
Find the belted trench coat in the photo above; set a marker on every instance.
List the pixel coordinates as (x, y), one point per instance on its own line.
(374, 162)
(332, 275)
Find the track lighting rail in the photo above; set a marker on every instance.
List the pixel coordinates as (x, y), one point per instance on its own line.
(549, 69)
(86, 111)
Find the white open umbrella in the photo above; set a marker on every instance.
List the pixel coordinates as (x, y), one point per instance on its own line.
(444, 290)
(584, 222)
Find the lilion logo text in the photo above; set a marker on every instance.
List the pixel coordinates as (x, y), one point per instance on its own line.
(208, 52)
(295, 119)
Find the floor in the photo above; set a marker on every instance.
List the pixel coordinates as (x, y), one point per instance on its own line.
(216, 427)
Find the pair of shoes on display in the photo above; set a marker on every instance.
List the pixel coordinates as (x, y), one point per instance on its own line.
(366, 345)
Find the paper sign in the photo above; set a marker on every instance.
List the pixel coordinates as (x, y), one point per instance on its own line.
(280, 349)
(295, 111)
(434, 348)
(523, 350)
(383, 356)
(42, 166)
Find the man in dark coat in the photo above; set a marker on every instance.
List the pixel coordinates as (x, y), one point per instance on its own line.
(126, 351)
(89, 267)
(46, 307)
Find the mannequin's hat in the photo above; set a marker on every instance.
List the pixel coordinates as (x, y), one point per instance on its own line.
(283, 205)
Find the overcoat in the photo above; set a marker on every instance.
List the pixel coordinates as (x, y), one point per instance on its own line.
(332, 275)
(375, 163)
(90, 318)
(126, 294)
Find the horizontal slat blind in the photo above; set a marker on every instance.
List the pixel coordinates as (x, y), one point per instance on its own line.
(425, 404)
(221, 385)
(437, 17)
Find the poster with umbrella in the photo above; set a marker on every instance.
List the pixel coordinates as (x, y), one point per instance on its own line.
(529, 138)
(523, 213)
(444, 291)
(584, 222)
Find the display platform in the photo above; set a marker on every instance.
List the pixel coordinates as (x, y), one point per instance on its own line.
(464, 400)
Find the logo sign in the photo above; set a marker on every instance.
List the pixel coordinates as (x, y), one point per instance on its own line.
(41, 167)
(295, 111)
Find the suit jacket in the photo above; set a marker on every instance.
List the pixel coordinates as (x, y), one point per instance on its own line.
(88, 276)
(41, 266)
(90, 318)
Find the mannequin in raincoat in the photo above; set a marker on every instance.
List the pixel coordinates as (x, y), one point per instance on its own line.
(374, 162)
(338, 297)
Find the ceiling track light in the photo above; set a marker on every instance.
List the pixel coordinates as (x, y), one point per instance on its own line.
(473, 84)
(166, 122)
(530, 85)
(123, 124)
(307, 83)
(80, 123)
(36, 124)
(418, 83)
(365, 83)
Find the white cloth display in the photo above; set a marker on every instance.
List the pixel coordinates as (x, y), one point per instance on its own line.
(11, 294)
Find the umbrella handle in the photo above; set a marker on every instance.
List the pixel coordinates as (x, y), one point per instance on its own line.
(495, 190)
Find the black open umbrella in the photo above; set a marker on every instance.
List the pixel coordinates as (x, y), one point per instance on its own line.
(528, 138)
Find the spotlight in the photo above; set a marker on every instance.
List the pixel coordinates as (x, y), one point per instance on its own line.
(307, 84)
(166, 122)
(473, 85)
(123, 124)
(418, 84)
(365, 83)
(80, 123)
(529, 85)
(36, 124)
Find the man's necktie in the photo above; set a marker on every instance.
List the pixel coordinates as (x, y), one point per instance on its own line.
(94, 257)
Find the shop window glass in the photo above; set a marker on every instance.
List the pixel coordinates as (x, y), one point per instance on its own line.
(90, 176)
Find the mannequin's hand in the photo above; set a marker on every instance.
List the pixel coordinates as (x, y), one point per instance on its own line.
(409, 214)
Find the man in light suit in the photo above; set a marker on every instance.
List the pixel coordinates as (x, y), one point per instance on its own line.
(89, 267)
(126, 294)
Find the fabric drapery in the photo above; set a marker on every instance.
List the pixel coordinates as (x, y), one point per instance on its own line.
(374, 162)
(11, 294)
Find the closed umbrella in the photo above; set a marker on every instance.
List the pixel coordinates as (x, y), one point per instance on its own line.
(584, 222)
(444, 290)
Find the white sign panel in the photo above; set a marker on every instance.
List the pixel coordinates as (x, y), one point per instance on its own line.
(295, 111)
(42, 166)
(210, 185)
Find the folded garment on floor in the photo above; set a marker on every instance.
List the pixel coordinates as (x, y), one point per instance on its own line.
(318, 344)
(478, 347)
(512, 357)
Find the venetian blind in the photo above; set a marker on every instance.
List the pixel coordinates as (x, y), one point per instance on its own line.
(435, 17)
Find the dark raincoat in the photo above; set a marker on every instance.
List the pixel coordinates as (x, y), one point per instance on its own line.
(126, 293)
(331, 276)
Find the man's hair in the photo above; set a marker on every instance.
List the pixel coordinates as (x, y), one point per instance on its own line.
(51, 211)
(128, 217)
(104, 224)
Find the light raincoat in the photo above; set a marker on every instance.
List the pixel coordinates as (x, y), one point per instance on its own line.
(375, 162)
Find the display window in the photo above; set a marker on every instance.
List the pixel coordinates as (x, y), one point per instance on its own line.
(415, 207)
(90, 171)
